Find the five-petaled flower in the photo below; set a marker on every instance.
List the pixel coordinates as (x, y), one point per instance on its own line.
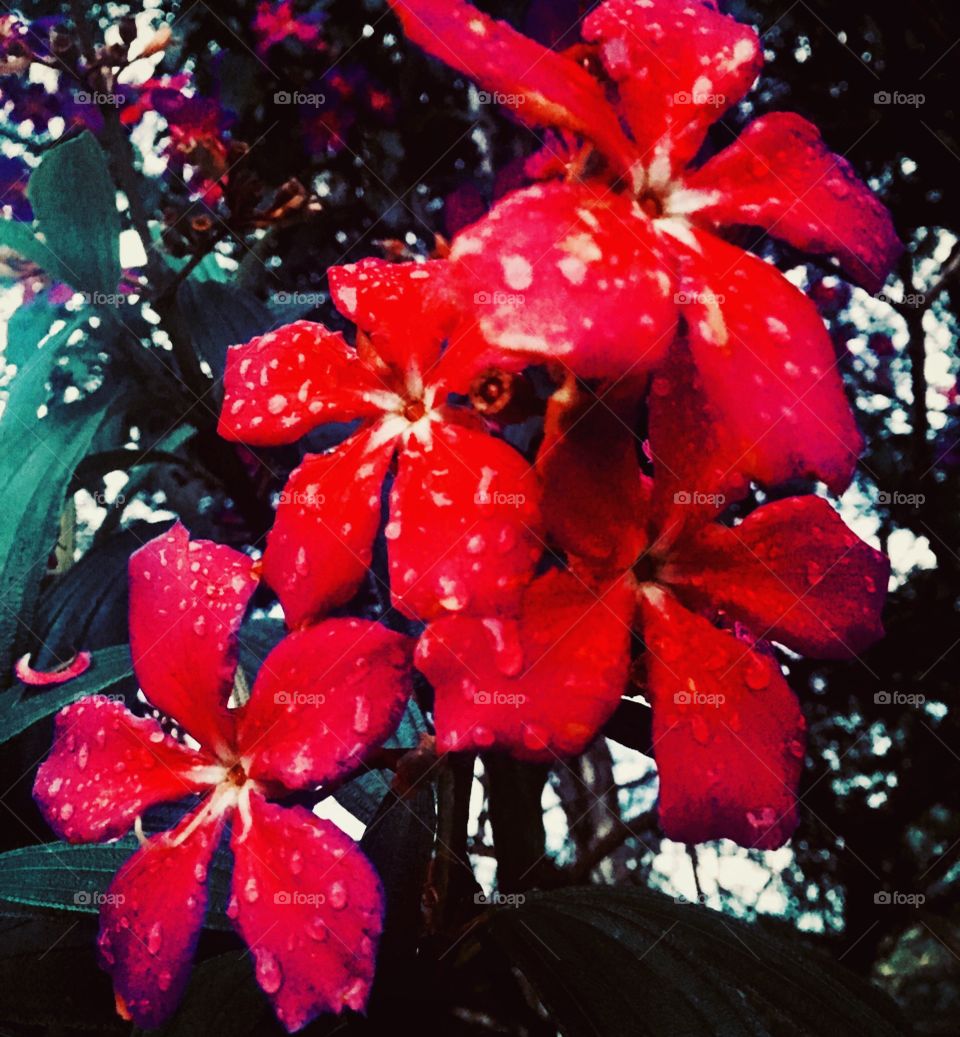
(464, 507)
(608, 258)
(727, 729)
(303, 897)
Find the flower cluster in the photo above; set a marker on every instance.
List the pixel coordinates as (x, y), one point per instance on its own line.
(529, 580)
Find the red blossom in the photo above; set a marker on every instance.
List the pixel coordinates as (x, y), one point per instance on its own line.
(463, 520)
(644, 248)
(305, 899)
(276, 22)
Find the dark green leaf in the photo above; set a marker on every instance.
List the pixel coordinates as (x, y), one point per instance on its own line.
(607, 960)
(65, 877)
(75, 205)
(22, 706)
(26, 328)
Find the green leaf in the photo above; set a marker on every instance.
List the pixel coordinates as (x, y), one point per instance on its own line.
(22, 706)
(66, 877)
(607, 960)
(77, 228)
(27, 328)
(218, 316)
(37, 460)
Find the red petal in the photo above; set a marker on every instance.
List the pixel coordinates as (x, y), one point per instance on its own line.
(756, 338)
(679, 64)
(151, 918)
(727, 731)
(309, 906)
(187, 600)
(107, 766)
(699, 470)
(537, 688)
(281, 385)
(569, 273)
(594, 503)
(25, 673)
(407, 308)
(780, 175)
(542, 87)
(323, 698)
(464, 529)
(793, 572)
(319, 548)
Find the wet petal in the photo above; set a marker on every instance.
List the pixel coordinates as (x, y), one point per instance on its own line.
(107, 766)
(151, 918)
(464, 529)
(309, 905)
(793, 572)
(727, 731)
(679, 64)
(76, 666)
(594, 503)
(542, 87)
(187, 601)
(323, 698)
(780, 175)
(568, 273)
(537, 688)
(319, 548)
(281, 385)
(757, 338)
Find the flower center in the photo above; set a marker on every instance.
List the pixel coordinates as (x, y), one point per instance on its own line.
(414, 410)
(237, 775)
(651, 204)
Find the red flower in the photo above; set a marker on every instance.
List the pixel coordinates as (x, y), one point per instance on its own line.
(464, 507)
(274, 23)
(304, 898)
(631, 239)
(728, 733)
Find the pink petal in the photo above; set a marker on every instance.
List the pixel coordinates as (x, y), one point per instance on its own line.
(319, 548)
(780, 175)
(309, 905)
(187, 600)
(107, 766)
(727, 731)
(538, 688)
(464, 529)
(151, 918)
(25, 673)
(679, 64)
(572, 274)
(281, 385)
(758, 340)
(541, 87)
(324, 697)
(793, 572)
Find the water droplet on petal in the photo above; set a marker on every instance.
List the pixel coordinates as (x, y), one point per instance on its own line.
(269, 973)
(337, 895)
